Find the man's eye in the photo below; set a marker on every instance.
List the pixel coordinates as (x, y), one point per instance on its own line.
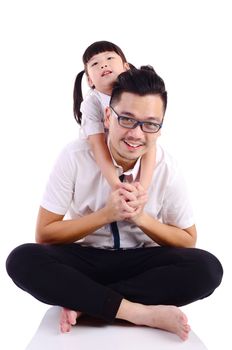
(150, 124)
(126, 120)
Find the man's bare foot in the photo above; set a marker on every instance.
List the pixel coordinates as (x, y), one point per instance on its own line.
(165, 317)
(168, 318)
(68, 318)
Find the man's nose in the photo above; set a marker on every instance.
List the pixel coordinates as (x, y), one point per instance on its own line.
(136, 132)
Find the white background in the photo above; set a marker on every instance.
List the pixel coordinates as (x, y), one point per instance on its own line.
(188, 43)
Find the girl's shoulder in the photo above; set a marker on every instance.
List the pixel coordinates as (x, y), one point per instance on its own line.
(96, 99)
(92, 94)
(91, 105)
(103, 98)
(92, 97)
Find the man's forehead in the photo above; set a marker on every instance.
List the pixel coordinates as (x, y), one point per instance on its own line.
(128, 97)
(150, 105)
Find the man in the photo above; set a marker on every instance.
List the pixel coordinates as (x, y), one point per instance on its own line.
(123, 254)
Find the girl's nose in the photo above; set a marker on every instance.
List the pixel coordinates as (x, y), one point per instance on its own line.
(103, 66)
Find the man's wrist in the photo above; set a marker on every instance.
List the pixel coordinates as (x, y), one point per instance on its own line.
(105, 216)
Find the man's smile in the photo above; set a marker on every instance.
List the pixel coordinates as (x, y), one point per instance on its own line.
(132, 145)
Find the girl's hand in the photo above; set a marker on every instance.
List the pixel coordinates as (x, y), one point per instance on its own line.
(126, 202)
(117, 207)
(139, 203)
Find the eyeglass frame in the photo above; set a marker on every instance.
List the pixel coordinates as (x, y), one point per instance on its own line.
(137, 123)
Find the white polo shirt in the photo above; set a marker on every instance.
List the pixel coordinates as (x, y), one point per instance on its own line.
(92, 109)
(76, 187)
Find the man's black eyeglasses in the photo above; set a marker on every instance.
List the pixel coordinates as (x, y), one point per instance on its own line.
(130, 123)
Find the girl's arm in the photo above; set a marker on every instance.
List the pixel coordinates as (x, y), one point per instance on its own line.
(147, 167)
(103, 159)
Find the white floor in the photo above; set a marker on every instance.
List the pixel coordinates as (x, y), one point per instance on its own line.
(91, 334)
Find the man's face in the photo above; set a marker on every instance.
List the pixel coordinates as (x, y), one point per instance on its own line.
(127, 145)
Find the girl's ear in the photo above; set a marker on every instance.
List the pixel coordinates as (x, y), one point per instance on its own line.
(90, 82)
(126, 66)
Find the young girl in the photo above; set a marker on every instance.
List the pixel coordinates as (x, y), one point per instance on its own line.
(103, 62)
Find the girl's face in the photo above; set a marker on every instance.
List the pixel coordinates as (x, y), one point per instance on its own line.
(103, 69)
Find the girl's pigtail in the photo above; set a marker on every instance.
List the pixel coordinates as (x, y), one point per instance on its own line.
(77, 97)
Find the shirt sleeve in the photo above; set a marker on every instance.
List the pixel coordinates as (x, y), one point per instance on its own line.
(60, 187)
(177, 210)
(92, 116)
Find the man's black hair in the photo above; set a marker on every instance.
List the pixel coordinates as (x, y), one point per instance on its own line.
(143, 81)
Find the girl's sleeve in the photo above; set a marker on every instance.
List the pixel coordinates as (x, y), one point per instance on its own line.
(92, 116)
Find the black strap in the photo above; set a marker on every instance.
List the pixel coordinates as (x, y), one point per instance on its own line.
(114, 227)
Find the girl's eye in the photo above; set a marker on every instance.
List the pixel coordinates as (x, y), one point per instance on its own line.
(110, 58)
(94, 64)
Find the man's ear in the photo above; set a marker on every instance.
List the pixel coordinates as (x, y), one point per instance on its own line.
(107, 115)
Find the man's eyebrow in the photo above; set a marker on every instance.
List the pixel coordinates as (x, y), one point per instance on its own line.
(131, 115)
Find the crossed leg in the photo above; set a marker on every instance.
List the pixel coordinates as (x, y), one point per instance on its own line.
(89, 274)
(165, 317)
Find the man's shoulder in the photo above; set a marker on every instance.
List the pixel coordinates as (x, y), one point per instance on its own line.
(77, 147)
(163, 154)
(165, 159)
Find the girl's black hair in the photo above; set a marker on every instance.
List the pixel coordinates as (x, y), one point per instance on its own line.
(99, 47)
(94, 49)
(77, 97)
(143, 81)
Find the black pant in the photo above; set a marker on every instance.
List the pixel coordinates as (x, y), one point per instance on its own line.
(94, 281)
